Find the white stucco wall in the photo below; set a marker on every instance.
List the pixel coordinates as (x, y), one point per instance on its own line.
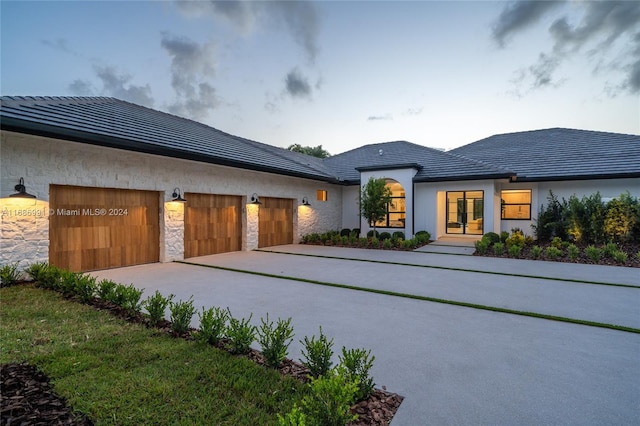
(44, 161)
(350, 212)
(405, 178)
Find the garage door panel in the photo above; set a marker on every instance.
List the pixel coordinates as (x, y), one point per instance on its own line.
(275, 222)
(125, 232)
(213, 224)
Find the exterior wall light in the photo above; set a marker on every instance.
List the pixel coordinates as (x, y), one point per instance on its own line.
(22, 190)
(305, 201)
(255, 199)
(177, 196)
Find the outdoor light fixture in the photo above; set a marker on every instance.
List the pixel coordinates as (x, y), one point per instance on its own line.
(177, 196)
(255, 199)
(22, 190)
(305, 201)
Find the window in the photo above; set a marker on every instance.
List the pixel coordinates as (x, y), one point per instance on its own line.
(396, 210)
(516, 204)
(321, 195)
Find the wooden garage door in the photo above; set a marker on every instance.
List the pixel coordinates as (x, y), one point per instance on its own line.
(275, 223)
(99, 228)
(212, 224)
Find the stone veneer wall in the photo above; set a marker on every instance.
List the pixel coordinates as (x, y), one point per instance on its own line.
(24, 230)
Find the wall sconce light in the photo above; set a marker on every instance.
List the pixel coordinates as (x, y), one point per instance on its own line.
(22, 190)
(177, 196)
(305, 201)
(255, 199)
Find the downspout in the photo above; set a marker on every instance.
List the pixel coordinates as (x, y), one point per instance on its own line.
(413, 207)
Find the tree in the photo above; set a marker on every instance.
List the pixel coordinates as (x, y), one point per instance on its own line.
(316, 151)
(374, 197)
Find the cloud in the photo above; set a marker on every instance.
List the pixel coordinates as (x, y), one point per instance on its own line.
(602, 24)
(297, 85)
(299, 18)
(519, 15)
(413, 111)
(114, 84)
(192, 64)
(380, 117)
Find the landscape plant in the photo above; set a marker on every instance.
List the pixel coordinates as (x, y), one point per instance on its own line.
(9, 274)
(552, 253)
(481, 246)
(240, 334)
(106, 290)
(514, 250)
(622, 218)
(275, 340)
(317, 354)
(573, 251)
(620, 257)
(128, 297)
(181, 314)
(594, 253)
(375, 195)
(329, 402)
(536, 251)
(358, 364)
(498, 249)
(36, 270)
(213, 324)
(156, 306)
(295, 417)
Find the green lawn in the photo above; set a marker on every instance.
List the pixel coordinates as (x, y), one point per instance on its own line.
(121, 373)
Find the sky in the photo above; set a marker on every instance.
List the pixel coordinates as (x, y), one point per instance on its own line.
(340, 74)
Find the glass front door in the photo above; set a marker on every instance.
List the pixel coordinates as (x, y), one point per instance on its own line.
(464, 212)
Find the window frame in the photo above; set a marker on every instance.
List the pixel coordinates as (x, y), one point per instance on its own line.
(504, 204)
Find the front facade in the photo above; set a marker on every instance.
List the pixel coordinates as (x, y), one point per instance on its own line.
(106, 176)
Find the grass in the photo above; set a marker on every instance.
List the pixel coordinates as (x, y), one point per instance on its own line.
(121, 373)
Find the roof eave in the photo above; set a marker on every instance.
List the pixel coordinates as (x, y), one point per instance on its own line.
(627, 175)
(463, 178)
(389, 167)
(45, 130)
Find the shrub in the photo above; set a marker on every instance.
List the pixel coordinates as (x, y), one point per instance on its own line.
(536, 251)
(374, 242)
(620, 257)
(373, 233)
(353, 240)
(594, 253)
(358, 363)
(275, 341)
(344, 241)
(156, 306)
(409, 244)
(514, 250)
(37, 270)
(387, 244)
(181, 314)
(573, 251)
(330, 399)
(85, 287)
(241, 334)
(67, 283)
(363, 242)
(422, 237)
(50, 278)
(503, 236)
(609, 249)
(498, 249)
(586, 218)
(638, 255)
(317, 354)
(295, 417)
(345, 232)
(213, 323)
(552, 252)
(324, 238)
(336, 239)
(622, 218)
(515, 239)
(355, 232)
(481, 246)
(491, 238)
(385, 236)
(9, 275)
(107, 290)
(556, 242)
(400, 234)
(128, 297)
(552, 221)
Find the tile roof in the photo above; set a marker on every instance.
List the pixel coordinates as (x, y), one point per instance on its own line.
(560, 154)
(119, 124)
(432, 164)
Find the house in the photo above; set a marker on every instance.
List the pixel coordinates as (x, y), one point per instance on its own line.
(118, 184)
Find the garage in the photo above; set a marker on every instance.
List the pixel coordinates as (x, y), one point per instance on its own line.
(212, 224)
(275, 223)
(100, 228)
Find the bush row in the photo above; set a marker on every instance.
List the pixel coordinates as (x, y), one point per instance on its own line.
(332, 390)
(589, 220)
(377, 240)
(517, 245)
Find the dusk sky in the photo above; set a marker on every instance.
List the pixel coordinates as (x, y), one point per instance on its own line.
(339, 73)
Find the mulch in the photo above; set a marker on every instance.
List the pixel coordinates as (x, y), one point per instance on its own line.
(28, 399)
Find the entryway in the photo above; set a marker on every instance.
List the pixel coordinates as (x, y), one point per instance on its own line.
(465, 210)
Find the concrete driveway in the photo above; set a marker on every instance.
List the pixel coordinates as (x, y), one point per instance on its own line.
(454, 365)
